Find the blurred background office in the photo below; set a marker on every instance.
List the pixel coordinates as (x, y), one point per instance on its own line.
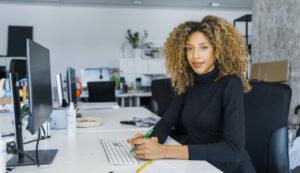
(121, 41)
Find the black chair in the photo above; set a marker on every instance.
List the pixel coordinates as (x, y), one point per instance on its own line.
(18, 66)
(101, 91)
(266, 109)
(162, 96)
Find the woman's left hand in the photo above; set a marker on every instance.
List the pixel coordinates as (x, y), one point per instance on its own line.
(149, 148)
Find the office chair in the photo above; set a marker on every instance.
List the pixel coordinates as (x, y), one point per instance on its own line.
(266, 110)
(101, 91)
(18, 66)
(162, 96)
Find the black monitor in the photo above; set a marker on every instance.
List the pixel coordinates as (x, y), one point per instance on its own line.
(18, 66)
(40, 103)
(17, 36)
(60, 91)
(71, 83)
(39, 84)
(2, 72)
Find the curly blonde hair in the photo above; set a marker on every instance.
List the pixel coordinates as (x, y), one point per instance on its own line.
(229, 47)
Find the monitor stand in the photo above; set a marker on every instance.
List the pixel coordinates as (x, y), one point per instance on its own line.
(45, 157)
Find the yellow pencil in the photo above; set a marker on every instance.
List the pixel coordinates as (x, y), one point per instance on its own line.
(145, 165)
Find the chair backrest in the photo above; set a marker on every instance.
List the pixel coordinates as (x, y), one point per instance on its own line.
(101, 91)
(266, 109)
(18, 66)
(162, 95)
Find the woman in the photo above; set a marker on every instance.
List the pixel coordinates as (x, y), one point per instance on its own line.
(207, 64)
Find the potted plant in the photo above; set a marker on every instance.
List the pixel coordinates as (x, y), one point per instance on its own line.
(137, 43)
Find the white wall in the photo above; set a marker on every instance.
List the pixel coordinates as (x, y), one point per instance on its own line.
(82, 36)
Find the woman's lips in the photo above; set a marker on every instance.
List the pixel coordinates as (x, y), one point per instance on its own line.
(197, 64)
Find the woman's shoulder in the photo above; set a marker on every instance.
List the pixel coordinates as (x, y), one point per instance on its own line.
(231, 80)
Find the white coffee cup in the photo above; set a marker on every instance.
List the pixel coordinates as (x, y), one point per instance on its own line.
(59, 118)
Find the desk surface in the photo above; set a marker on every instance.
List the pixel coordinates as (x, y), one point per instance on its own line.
(111, 118)
(120, 95)
(84, 153)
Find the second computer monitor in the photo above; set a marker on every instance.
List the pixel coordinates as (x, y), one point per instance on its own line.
(59, 85)
(71, 83)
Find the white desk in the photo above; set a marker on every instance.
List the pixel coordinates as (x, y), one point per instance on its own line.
(132, 96)
(83, 153)
(136, 96)
(97, 105)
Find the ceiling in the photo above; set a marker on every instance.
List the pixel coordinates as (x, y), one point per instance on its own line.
(215, 4)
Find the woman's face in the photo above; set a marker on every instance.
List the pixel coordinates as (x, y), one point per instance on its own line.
(200, 53)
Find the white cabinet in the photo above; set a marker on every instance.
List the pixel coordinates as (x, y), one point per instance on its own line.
(154, 66)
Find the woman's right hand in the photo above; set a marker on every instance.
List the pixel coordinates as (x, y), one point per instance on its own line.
(136, 136)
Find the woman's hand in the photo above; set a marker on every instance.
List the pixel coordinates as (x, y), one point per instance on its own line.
(149, 148)
(136, 136)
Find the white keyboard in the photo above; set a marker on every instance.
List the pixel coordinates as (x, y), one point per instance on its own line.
(118, 152)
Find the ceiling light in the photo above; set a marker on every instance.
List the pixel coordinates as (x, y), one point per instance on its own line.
(137, 2)
(215, 4)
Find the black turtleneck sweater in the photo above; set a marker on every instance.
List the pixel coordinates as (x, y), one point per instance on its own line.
(212, 113)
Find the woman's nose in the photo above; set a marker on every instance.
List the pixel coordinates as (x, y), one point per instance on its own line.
(196, 54)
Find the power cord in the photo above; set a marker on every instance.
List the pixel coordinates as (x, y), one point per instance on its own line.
(35, 140)
(37, 148)
(41, 137)
(8, 135)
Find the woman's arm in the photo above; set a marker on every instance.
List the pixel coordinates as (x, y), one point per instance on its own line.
(164, 126)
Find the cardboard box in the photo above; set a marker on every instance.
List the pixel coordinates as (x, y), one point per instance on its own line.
(270, 71)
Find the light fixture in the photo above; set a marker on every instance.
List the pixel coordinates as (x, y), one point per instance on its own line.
(215, 4)
(137, 2)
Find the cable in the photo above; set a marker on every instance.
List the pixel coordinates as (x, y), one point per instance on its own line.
(41, 137)
(8, 135)
(37, 148)
(44, 131)
(35, 140)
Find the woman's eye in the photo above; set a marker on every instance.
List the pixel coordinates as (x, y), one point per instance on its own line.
(188, 49)
(204, 47)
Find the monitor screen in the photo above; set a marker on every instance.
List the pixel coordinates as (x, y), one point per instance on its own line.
(17, 36)
(39, 84)
(71, 82)
(59, 85)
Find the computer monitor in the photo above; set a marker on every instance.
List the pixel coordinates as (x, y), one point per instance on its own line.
(39, 84)
(60, 91)
(71, 83)
(19, 67)
(40, 103)
(17, 36)
(2, 72)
